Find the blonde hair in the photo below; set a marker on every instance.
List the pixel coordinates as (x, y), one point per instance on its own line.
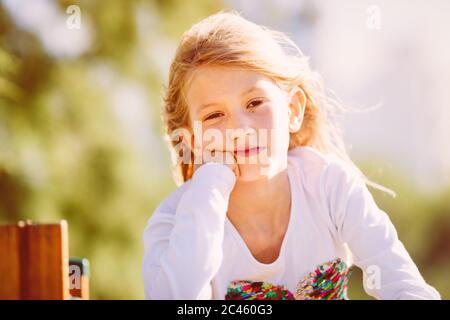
(227, 39)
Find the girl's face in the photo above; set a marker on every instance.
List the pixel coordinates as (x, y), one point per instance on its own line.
(238, 109)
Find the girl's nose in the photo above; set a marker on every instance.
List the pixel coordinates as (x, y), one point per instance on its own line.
(241, 133)
(239, 122)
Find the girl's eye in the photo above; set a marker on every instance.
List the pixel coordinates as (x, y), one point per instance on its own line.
(254, 103)
(212, 116)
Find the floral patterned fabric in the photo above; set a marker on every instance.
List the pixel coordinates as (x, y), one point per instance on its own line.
(327, 282)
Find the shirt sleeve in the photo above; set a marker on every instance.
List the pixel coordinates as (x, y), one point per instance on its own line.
(183, 249)
(389, 273)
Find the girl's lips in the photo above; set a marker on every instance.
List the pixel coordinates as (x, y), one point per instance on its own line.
(248, 152)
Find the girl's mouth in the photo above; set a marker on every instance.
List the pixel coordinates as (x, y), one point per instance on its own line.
(248, 152)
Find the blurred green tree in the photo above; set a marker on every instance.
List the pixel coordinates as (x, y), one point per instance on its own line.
(81, 135)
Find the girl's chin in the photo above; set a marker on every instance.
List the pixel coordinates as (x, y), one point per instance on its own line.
(252, 172)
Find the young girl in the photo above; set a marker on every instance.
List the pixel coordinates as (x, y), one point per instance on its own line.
(270, 205)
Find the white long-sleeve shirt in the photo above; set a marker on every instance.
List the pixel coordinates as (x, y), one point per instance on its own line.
(193, 251)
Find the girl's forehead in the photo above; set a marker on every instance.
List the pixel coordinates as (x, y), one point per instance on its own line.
(224, 73)
(208, 82)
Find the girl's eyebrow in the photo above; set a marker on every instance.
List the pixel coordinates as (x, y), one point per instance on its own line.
(244, 93)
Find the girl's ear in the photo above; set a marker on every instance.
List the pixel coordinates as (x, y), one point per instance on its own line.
(296, 109)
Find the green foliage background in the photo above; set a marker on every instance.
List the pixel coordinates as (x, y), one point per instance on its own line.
(65, 155)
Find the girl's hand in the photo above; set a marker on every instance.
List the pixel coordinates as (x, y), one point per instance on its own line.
(226, 157)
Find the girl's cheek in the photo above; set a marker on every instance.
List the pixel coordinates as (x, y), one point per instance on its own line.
(214, 138)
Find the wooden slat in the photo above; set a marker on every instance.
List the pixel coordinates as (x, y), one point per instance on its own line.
(9, 262)
(34, 261)
(45, 261)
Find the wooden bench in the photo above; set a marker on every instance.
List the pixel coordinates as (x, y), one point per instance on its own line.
(35, 264)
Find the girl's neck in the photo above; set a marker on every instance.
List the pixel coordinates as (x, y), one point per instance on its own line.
(262, 205)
